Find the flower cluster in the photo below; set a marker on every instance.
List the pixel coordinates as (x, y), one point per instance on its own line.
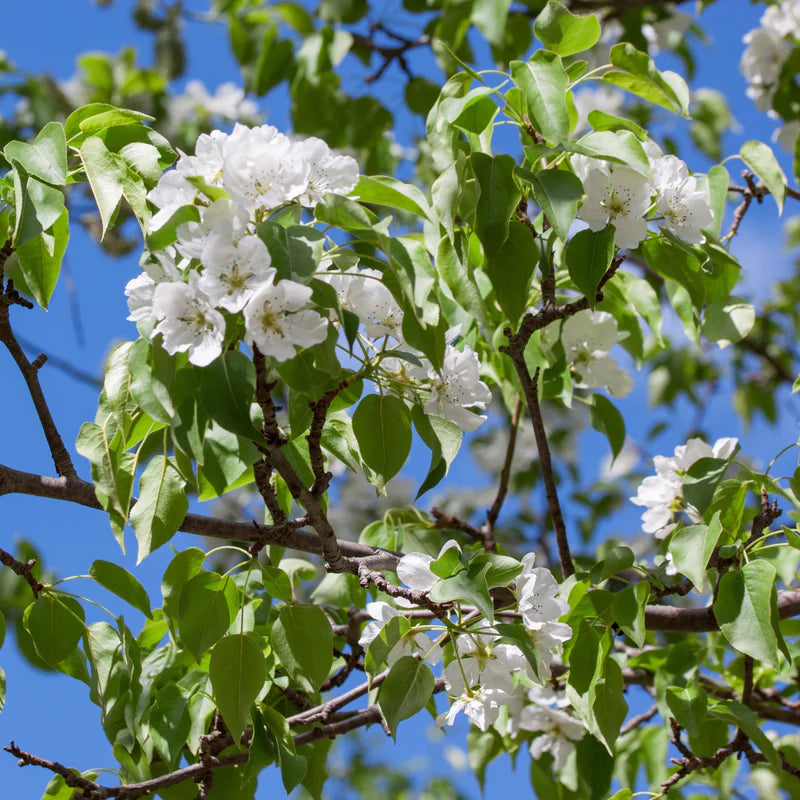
(218, 263)
(624, 197)
(767, 49)
(485, 674)
(587, 337)
(662, 494)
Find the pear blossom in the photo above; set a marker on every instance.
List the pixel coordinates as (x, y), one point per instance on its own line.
(621, 197)
(558, 730)
(457, 387)
(686, 210)
(262, 172)
(662, 494)
(587, 337)
(370, 300)
(275, 321)
(328, 172)
(485, 661)
(536, 594)
(222, 217)
(170, 193)
(188, 321)
(233, 270)
(481, 705)
(665, 33)
(227, 102)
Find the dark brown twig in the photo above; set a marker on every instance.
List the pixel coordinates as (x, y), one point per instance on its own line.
(30, 373)
(23, 570)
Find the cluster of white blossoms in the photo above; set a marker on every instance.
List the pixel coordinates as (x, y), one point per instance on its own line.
(662, 494)
(588, 337)
(768, 47)
(486, 674)
(196, 103)
(218, 264)
(624, 197)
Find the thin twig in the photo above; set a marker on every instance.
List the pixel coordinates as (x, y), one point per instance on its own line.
(23, 570)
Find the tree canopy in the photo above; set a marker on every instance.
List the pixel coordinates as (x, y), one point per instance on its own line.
(334, 326)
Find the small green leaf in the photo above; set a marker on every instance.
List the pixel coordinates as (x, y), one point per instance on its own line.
(588, 255)
(161, 506)
(468, 585)
(382, 427)
(208, 603)
(628, 610)
(406, 690)
(104, 174)
(544, 83)
(497, 200)
(563, 32)
(557, 192)
(384, 191)
(237, 670)
(510, 269)
(119, 581)
(46, 158)
(184, 565)
(56, 625)
(728, 321)
(609, 708)
(747, 613)
(303, 641)
(227, 387)
(691, 547)
(760, 158)
(40, 259)
(702, 479)
(688, 706)
(606, 418)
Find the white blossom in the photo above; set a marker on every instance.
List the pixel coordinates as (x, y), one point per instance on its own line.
(188, 321)
(228, 102)
(328, 172)
(233, 270)
(275, 321)
(222, 217)
(666, 33)
(587, 337)
(261, 172)
(370, 300)
(157, 267)
(558, 729)
(662, 494)
(536, 594)
(767, 49)
(686, 210)
(457, 387)
(170, 193)
(621, 197)
(414, 570)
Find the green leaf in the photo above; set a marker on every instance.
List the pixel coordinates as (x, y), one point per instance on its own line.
(385, 191)
(747, 613)
(104, 174)
(237, 670)
(56, 625)
(457, 275)
(640, 77)
(293, 766)
(119, 581)
(760, 158)
(544, 83)
(208, 603)
(382, 427)
(40, 259)
(691, 547)
(738, 714)
(606, 418)
(112, 471)
(557, 192)
(379, 648)
(628, 610)
(609, 707)
(303, 641)
(96, 117)
(276, 582)
(588, 255)
(46, 158)
(296, 250)
(563, 32)
(618, 147)
(469, 585)
(227, 387)
(728, 321)
(161, 506)
(406, 690)
(702, 479)
(184, 565)
(688, 706)
(497, 199)
(510, 269)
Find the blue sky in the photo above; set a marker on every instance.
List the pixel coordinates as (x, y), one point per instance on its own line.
(49, 713)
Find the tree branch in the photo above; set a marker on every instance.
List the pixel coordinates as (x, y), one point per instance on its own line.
(30, 373)
(23, 570)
